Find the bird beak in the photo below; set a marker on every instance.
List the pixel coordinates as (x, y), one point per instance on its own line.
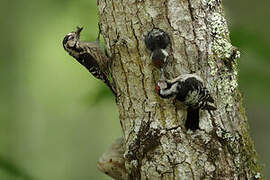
(79, 30)
(162, 74)
(78, 33)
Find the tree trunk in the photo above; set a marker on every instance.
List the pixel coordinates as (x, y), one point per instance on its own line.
(156, 144)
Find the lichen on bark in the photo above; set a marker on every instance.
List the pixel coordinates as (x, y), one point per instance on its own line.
(156, 144)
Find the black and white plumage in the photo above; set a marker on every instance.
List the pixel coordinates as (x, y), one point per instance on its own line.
(157, 41)
(90, 55)
(189, 90)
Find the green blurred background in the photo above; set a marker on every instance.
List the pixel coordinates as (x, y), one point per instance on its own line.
(56, 120)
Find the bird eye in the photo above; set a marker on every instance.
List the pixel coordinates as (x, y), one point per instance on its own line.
(70, 37)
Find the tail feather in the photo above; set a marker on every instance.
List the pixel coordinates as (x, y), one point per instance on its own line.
(109, 84)
(210, 99)
(210, 107)
(192, 121)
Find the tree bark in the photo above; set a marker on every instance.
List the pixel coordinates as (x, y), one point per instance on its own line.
(156, 144)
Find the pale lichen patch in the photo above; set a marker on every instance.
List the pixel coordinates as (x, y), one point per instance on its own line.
(258, 175)
(221, 47)
(218, 25)
(209, 167)
(211, 4)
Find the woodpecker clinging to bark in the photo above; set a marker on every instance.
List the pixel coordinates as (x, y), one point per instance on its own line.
(156, 41)
(90, 55)
(189, 90)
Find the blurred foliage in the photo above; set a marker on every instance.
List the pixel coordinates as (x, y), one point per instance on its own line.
(11, 171)
(55, 120)
(254, 63)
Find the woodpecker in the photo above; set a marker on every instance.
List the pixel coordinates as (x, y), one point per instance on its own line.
(189, 90)
(157, 41)
(90, 55)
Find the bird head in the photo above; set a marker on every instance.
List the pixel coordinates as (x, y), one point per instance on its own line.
(71, 39)
(161, 85)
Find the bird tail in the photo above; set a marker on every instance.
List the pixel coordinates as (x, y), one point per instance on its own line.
(192, 121)
(109, 84)
(210, 107)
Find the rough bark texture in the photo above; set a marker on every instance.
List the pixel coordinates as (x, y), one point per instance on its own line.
(156, 144)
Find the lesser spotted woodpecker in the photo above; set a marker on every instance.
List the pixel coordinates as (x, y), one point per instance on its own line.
(90, 55)
(189, 90)
(156, 41)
